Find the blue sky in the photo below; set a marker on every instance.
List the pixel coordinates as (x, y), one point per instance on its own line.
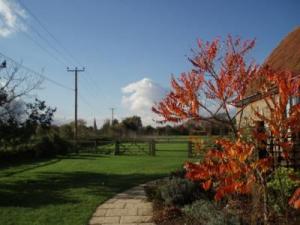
(121, 42)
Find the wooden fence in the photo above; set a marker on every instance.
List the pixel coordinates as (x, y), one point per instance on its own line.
(141, 146)
(293, 159)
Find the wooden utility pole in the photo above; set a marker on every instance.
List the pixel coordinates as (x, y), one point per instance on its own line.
(76, 70)
(112, 115)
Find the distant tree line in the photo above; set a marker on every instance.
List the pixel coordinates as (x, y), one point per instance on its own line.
(132, 127)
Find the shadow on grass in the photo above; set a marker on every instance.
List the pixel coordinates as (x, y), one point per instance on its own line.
(5, 165)
(34, 164)
(29, 166)
(62, 188)
(87, 156)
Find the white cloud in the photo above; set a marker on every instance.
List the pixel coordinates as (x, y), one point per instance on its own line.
(15, 108)
(140, 96)
(10, 15)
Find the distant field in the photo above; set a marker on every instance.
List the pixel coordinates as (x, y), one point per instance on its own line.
(67, 190)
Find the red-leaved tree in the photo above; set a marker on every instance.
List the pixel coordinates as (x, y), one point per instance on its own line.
(218, 82)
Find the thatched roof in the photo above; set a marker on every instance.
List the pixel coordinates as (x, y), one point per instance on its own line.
(286, 56)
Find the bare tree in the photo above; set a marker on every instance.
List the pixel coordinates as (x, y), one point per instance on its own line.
(16, 82)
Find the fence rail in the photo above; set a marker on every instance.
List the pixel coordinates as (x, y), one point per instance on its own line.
(275, 150)
(141, 146)
(188, 146)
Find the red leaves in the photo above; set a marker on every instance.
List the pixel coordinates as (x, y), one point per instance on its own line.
(207, 184)
(220, 73)
(182, 102)
(295, 199)
(232, 169)
(278, 89)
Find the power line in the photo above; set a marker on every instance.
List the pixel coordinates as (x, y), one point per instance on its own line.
(87, 102)
(91, 81)
(49, 33)
(41, 47)
(62, 58)
(88, 82)
(35, 73)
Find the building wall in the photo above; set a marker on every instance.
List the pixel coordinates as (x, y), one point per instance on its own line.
(248, 116)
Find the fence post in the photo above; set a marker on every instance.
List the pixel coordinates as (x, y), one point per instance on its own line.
(117, 148)
(95, 146)
(190, 149)
(152, 147)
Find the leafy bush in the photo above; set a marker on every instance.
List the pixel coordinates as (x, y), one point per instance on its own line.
(180, 173)
(178, 191)
(207, 212)
(152, 192)
(281, 187)
(167, 214)
(61, 145)
(44, 147)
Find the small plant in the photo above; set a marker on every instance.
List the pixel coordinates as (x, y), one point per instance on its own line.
(207, 212)
(281, 187)
(180, 173)
(167, 214)
(178, 191)
(152, 192)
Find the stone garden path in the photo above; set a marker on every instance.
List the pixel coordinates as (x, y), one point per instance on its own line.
(128, 208)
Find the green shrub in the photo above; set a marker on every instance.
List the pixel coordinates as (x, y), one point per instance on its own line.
(280, 188)
(152, 192)
(180, 173)
(44, 147)
(207, 212)
(62, 146)
(178, 191)
(167, 214)
(18, 153)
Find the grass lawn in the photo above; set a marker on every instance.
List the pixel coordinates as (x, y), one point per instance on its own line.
(67, 190)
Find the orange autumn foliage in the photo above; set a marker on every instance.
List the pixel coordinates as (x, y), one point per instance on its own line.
(220, 74)
(295, 199)
(277, 90)
(231, 170)
(182, 102)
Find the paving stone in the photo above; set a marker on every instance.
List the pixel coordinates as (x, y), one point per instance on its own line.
(131, 201)
(135, 219)
(112, 200)
(127, 224)
(146, 224)
(100, 212)
(122, 212)
(105, 219)
(139, 205)
(112, 206)
(128, 208)
(145, 212)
